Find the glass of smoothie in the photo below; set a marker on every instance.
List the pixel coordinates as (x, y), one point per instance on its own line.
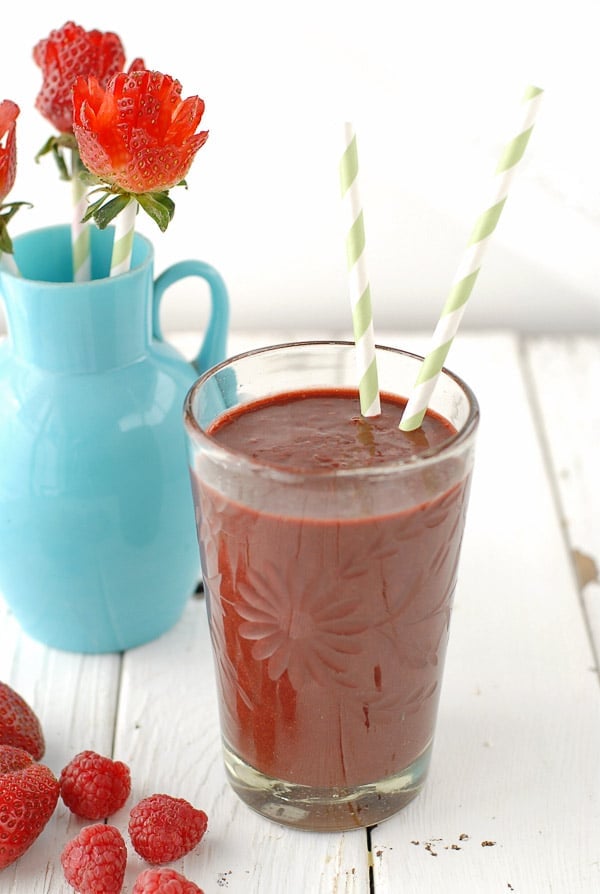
(329, 545)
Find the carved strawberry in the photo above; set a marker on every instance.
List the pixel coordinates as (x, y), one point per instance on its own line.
(66, 54)
(9, 112)
(28, 796)
(138, 137)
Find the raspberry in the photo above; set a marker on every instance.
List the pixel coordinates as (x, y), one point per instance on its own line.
(94, 786)
(94, 861)
(163, 828)
(19, 726)
(164, 881)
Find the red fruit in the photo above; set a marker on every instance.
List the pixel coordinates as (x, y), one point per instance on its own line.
(94, 786)
(137, 133)
(138, 64)
(9, 112)
(66, 54)
(94, 861)
(164, 881)
(28, 796)
(19, 726)
(163, 828)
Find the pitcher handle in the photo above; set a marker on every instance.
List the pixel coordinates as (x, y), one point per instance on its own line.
(213, 347)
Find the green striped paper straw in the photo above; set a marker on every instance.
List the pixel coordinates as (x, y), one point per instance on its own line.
(80, 231)
(468, 269)
(8, 263)
(359, 289)
(123, 239)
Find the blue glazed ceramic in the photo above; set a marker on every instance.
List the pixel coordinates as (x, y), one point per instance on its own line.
(98, 549)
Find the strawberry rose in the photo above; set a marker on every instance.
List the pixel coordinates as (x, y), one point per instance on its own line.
(66, 54)
(138, 137)
(9, 112)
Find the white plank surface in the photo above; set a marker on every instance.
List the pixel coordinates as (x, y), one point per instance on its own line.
(75, 697)
(516, 754)
(566, 376)
(168, 734)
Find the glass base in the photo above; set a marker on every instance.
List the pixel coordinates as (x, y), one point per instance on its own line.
(325, 809)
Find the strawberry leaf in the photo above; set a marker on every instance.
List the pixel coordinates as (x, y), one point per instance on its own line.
(93, 208)
(46, 148)
(159, 207)
(9, 209)
(90, 179)
(5, 240)
(55, 146)
(7, 212)
(104, 212)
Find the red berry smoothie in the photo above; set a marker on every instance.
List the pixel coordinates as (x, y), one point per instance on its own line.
(329, 628)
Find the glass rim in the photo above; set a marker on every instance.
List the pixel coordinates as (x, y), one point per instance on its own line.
(443, 450)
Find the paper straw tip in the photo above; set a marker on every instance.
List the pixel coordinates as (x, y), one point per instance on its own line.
(531, 92)
(410, 423)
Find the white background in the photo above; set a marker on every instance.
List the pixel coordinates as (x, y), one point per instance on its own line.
(433, 90)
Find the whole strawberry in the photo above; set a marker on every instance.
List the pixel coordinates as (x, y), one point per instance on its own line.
(163, 828)
(164, 881)
(94, 861)
(19, 726)
(28, 796)
(93, 786)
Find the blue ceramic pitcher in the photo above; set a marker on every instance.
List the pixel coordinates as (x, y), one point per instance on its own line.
(98, 549)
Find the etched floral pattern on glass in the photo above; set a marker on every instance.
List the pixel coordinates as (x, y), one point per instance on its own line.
(330, 636)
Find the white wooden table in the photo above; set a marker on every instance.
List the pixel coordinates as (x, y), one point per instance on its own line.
(512, 803)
